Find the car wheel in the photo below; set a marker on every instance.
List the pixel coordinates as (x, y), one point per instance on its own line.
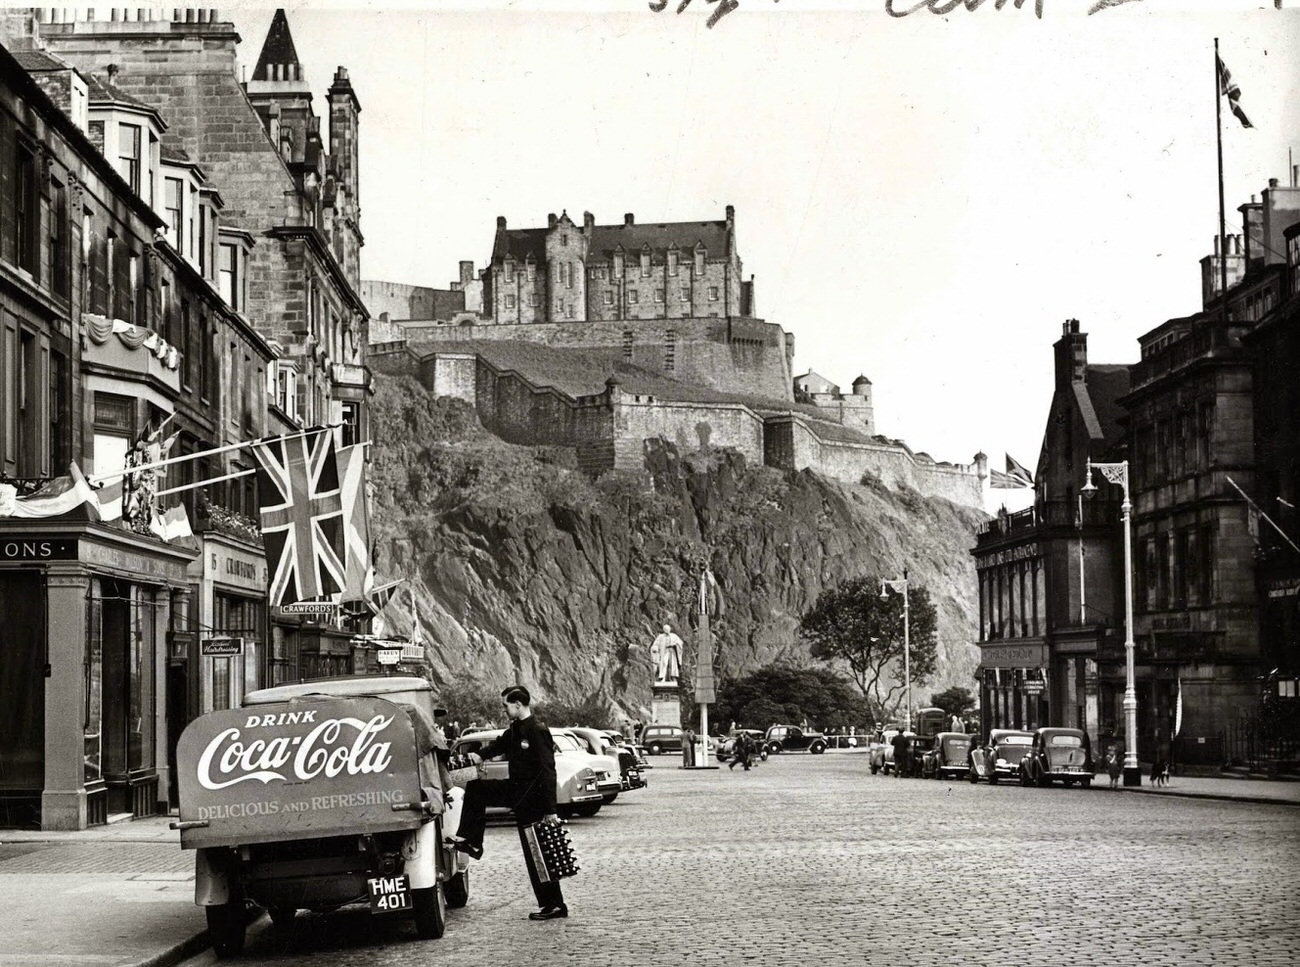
(974, 778)
(587, 809)
(993, 779)
(654, 748)
(817, 748)
(456, 890)
(763, 755)
(609, 797)
(1043, 780)
(281, 916)
(1085, 783)
(226, 922)
(874, 768)
(430, 912)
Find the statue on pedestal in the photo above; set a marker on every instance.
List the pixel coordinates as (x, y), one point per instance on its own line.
(666, 653)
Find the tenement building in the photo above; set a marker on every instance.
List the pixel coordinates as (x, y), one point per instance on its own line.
(173, 282)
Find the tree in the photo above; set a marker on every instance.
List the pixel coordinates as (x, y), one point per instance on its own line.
(852, 624)
(779, 694)
(956, 701)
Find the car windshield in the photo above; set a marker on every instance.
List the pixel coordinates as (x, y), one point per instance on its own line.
(962, 743)
(1065, 741)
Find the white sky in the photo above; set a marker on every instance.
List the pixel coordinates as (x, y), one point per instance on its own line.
(921, 199)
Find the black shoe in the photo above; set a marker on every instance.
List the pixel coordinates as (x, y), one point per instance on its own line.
(472, 850)
(550, 913)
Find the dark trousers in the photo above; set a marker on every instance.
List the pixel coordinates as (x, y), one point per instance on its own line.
(517, 796)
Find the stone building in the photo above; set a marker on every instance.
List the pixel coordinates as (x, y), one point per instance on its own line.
(1051, 608)
(854, 410)
(283, 183)
(163, 263)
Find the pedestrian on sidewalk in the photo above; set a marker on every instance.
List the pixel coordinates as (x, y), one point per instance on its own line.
(1114, 768)
(529, 790)
(742, 751)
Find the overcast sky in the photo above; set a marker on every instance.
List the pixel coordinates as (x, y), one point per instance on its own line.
(921, 199)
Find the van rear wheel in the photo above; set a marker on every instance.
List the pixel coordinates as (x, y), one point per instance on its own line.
(456, 890)
(226, 922)
(430, 912)
(281, 916)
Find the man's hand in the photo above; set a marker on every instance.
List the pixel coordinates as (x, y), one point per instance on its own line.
(550, 819)
(475, 758)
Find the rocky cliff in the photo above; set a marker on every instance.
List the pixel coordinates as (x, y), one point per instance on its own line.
(523, 569)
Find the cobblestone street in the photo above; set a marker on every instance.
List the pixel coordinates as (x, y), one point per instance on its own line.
(812, 860)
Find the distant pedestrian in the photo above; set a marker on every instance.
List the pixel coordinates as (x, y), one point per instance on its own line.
(1114, 768)
(742, 751)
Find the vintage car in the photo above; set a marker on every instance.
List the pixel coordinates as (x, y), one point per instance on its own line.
(999, 757)
(623, 742)
(1057, 754)
(727, 743)
(317, 795)
(609, 779)
(882, 753)
(599, 743)
(791, 738)
(576, 792)
(949, 757)
(661, 738)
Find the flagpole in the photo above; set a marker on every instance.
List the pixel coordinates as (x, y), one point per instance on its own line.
(1218, 139)
(114, 474)
(1259, 510)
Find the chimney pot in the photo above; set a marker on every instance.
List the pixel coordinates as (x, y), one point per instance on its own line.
(501, 223)
(551, 220)
(629, 219)
(1272, 182)
(588, 220)
(1216, 246)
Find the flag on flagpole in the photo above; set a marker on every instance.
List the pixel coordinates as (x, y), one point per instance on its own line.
(705, 690)
(172, 524)
(1228, 88)
(302, 516)
(359, 573)
(1017, 469)
(53, 499)
(1178, 709)
(1006, 481)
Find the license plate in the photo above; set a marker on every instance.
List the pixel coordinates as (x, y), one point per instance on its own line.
(389, 894)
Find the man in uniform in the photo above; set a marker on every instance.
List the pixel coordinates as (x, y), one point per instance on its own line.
(529, 791)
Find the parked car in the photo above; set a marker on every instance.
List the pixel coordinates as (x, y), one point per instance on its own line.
(1058, 754)
(950, 756)
(609, 780)
(882, 753)
(600, 743)
(638, 751)
(576, 792)
(791, 738)
(999, 757)
(727, 743)
(659, 739)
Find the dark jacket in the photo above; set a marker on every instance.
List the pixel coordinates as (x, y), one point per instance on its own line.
(530, 752)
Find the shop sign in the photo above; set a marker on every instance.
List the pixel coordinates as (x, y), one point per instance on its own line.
(221, 647)
(241, 570)
(388, 656)
(1283, 588)
(1013, 656)
(34, 550)
(328, 608)
(1032, 687)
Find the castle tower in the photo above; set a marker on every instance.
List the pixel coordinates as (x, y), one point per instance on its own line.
(344, 174)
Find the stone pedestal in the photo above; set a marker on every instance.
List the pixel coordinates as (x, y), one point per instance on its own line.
(665, 704)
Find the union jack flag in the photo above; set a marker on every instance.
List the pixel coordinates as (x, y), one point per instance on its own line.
(302, 516)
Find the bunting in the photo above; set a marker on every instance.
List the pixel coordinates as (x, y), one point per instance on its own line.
(1178, 709)
(55, 498)
(359, 575)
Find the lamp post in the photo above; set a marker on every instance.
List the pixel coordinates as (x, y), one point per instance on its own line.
(899, 586)
(1117, 473)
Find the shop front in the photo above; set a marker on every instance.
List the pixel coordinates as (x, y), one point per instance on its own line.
(88, 612)
(1014, 685)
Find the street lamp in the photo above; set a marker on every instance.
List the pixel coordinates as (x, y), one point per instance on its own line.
(1117, 473)
(899, 586)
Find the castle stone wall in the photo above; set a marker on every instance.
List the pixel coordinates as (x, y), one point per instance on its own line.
(690, 425)
(741, 356)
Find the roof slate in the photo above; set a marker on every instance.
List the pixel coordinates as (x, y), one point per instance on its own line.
(519, 243)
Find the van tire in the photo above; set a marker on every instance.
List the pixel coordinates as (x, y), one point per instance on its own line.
(456, 890)
(430, 912)
(226, 922)
(654, 748)
(281, 916)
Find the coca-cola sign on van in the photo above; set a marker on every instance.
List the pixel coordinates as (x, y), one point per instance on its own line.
(270, 772)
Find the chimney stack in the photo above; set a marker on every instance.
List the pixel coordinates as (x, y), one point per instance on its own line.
(628, 219)
(588, 221)
(501, 223)
(551, 220)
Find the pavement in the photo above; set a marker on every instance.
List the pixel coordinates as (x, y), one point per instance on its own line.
(122, 895)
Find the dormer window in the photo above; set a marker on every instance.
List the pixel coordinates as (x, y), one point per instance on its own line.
(700, 252)
(672, 261)
(618, 265)
(173, 201)
(510, 270)
(645, 263)
(128, 154)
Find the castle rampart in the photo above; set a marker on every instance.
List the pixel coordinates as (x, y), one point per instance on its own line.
(607, 430)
